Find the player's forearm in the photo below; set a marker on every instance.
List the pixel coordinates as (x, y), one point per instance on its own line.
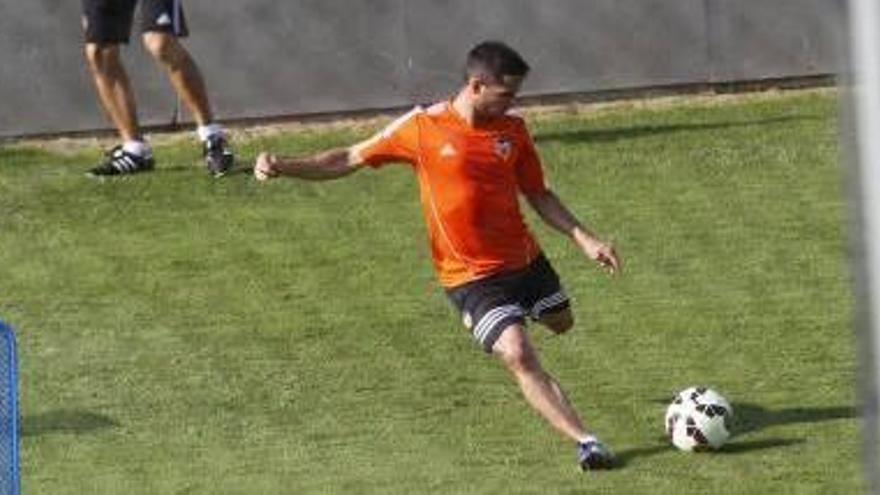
(555, 214)
(328, 165)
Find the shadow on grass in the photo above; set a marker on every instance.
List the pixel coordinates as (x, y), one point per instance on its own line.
(625, 456)
(65, 421)
(750, 418)
(240, 168)
(735, 447)
(622, 133)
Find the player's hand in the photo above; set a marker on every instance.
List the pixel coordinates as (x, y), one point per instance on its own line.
(605, 255)
(264, 167)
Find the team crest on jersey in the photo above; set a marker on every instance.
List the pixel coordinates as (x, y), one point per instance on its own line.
(503, 147)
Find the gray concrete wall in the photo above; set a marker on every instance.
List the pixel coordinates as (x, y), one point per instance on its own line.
(265, 58)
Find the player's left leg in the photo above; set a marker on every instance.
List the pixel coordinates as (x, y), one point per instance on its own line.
(559, 321)
(183, 72)
(163, 24)
(544, 298)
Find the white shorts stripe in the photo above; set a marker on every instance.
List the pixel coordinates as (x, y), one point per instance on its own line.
(490, 319)
(547, 302)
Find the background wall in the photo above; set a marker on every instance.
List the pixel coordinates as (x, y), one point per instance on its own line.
(265, 58)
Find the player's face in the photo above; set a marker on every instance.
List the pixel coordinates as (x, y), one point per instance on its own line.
(494, 98)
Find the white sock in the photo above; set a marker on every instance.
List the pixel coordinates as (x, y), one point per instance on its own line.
(138, 148)
(206, 131)
(588, 439)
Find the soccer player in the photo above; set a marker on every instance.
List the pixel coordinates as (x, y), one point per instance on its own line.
(106, 24)
(472, 160)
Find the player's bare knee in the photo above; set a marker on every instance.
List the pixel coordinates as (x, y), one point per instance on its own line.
(559, 322)
(521, 359)
(99, 56)
(165, 49)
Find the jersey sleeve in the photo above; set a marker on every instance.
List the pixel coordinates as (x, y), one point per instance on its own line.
(398, 142)
(529, 172)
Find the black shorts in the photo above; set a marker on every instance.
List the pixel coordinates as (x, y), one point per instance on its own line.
(109, 21)
(491, 304)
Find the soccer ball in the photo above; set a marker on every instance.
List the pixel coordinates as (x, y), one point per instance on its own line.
(698, 419)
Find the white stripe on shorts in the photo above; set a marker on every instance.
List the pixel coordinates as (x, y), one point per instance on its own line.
(547, 302)
(488, 321)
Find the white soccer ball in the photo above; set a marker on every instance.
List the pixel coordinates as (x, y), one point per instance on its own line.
(698, 419)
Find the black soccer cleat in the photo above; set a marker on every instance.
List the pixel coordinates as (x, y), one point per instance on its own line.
(121, 162)
(594, 455)
(218, 157)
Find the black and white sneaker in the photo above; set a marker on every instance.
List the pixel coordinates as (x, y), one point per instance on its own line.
(121, 162)
(218, 156)
(593, 455)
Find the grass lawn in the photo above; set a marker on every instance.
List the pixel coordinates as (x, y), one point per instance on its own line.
(180, 334)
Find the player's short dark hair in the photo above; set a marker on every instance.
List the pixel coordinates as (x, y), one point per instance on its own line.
(494, 60)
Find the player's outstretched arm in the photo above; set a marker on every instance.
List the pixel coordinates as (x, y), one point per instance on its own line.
(554, 213)
(328, 165)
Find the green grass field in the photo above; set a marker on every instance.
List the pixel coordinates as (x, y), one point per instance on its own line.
(184, 335)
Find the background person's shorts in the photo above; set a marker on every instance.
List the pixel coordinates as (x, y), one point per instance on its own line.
(110, 21)
(490, 305)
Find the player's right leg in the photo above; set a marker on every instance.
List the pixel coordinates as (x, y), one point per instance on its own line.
(514, 349)
(493, 310)
(544, 394)
(107, 24)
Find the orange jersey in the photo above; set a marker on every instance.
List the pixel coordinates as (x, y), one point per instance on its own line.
(469, 181)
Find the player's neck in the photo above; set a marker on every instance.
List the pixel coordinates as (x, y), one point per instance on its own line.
(462, 105)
